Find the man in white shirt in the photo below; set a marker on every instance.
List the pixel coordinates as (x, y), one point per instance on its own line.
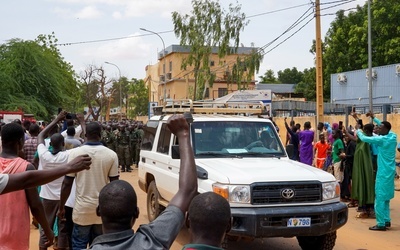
(50, 192)
(104, 169)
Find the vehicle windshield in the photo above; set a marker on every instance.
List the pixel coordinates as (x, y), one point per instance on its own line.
(235, 139)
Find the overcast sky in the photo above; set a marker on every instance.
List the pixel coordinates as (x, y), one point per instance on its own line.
(77, 23)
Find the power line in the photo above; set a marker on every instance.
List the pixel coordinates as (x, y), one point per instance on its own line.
(336, 5)
(297, 22)
(111, 39)
(331, 14)
(289, 36)
(261, 49)
(279, 10)
(169, 31)
(339, 1)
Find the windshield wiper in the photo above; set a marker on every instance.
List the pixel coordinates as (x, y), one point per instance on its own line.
(268, 155)
(213, 154)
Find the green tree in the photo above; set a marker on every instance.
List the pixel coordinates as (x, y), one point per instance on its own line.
(35, 78)
(290, 75)
(244, 68)
(346, 42)
(207, 27)
(307, 86)
(268, 77)
(139, 98)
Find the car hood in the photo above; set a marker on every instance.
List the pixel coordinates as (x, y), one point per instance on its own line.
(250, 170)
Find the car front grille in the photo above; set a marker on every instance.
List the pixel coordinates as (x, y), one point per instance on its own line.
(272, 193)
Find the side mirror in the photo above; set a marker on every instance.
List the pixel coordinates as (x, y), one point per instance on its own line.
(290, 150)
(175, 152)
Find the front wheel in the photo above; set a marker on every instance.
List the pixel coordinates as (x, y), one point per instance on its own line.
(153, 206)
(322, 242)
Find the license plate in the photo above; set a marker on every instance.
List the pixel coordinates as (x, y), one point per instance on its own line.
(299, 222)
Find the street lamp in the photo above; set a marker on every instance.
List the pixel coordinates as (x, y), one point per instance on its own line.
(164, 81)
(120, 90)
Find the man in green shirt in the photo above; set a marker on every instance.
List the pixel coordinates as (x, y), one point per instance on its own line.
(337, 149)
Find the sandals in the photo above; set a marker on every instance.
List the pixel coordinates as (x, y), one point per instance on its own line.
(362, 215)
(352, 204)
(371, 214)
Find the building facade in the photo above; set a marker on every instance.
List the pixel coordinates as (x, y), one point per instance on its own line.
(352, 87)
(167, 80)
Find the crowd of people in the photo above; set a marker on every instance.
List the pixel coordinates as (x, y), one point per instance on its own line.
(82, 203)
(80, 200)
(361, 158)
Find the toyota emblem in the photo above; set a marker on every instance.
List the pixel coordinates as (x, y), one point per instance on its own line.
(287, 193)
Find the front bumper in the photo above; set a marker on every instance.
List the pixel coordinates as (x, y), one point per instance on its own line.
(272, 221)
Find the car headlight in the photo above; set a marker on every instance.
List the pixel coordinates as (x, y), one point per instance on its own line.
(233, 193)
(330, 190)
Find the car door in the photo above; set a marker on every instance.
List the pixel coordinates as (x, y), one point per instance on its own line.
(167, 179)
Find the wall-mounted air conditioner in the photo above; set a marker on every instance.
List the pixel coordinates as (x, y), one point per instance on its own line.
(162, 78)
(341, 78)
(374, 74)
(398, 69)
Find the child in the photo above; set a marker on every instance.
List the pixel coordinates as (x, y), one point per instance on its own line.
(321, 149)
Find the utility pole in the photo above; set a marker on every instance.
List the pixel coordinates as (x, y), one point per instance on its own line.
(318, 49)
(369, 58)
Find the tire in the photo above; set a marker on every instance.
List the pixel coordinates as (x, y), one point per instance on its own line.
(323, 242)
(153, 206)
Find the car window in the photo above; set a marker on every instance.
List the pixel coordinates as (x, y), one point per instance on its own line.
(164, 140)
(235, 137)
(150, 130)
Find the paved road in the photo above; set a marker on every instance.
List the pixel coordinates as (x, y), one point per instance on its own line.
(353, 236)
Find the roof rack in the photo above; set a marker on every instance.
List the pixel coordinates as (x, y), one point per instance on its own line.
(208, 107)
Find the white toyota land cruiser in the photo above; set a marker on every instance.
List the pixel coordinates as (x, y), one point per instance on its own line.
(243, 159)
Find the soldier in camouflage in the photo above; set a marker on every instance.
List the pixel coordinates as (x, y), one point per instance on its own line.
(139, 133)
(108, 137)
(132, 141)
(122, 141)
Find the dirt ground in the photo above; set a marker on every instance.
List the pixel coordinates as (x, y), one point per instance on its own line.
(353, 236)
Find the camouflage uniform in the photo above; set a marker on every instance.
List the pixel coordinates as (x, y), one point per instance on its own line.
(139, 133)
(124, 157)
(109, 139)
(132, 144)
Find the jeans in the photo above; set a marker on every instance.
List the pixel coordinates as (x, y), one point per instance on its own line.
(65, 230)
(84, 235)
